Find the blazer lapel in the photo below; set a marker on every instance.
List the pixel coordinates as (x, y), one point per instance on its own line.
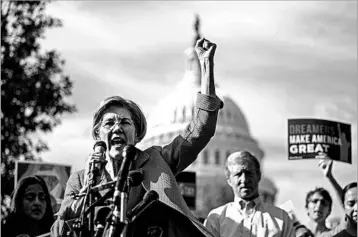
(142, 158)
(105, 178)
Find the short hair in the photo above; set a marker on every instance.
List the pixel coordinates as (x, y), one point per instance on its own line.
(346, 188)
(323, 192)
(137, 115)
(16, 207)
(244, 156)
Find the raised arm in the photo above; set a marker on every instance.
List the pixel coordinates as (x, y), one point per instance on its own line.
(185, 148)
(326, 165)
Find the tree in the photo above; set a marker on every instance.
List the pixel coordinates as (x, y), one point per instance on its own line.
(34, 87)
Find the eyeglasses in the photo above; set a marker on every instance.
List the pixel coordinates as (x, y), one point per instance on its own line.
(111, 122)
(324, 202)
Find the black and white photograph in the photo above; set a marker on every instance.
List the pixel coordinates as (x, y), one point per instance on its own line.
(179, 118)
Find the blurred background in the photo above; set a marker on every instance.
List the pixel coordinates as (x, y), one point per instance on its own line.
(274, 61)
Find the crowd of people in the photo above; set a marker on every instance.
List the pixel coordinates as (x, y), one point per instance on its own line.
(247, 215)
(119, 122)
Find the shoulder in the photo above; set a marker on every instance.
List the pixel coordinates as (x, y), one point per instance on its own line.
(154, 154)
(9, 225)
(76, 177)
(217, 216)
(275, 212)
(220, 211)
(77, 174)
(153, 150)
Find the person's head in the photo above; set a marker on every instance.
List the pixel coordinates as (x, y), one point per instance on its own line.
(243, 174)
(303, 231)
(318, 205)
(349, 198)
(31, 199)
(118, 122)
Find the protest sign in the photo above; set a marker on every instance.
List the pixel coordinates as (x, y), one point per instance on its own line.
(308, 137)
(187, 186)
(55, 175)
(290, 209)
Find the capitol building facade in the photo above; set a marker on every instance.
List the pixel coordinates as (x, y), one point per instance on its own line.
(173, 113)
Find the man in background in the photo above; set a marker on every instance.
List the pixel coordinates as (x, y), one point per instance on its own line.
(247, 215)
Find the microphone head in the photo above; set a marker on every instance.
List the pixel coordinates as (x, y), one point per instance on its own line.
(150, 196)
(99, 145)
(135, 177)
(101, 214)
(129, 152)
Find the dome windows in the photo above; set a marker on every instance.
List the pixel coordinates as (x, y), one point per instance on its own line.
(228, 114)
(228, 153)
(175, 115)
(184, 114)
(217, 157)
(205, 157)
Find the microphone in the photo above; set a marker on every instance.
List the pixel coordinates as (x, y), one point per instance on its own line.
(129, 154)
(100, 219)
(149, 197)
(121, 190)
(100, 147)
(135, 177)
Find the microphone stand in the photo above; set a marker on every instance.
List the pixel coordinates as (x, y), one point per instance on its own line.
(87, 205)
(99, 147)
(118, 219)
(91, 183)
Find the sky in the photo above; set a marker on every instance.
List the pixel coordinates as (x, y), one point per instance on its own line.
(276, 60)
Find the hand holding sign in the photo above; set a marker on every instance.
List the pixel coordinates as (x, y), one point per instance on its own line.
(326, 165)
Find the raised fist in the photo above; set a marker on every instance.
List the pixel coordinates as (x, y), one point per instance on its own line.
(325, 164)
(205, 50)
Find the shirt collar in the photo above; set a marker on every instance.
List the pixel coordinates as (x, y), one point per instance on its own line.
(246, 205)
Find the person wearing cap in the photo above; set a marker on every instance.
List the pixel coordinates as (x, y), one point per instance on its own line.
(120, 122)
(247, 215)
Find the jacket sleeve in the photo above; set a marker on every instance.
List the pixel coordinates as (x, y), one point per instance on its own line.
(184, 149)
(70, 207)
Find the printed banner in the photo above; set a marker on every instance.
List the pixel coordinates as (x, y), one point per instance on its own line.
(308, 137)
(55, 175)
(187, 186)
(290, 209)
